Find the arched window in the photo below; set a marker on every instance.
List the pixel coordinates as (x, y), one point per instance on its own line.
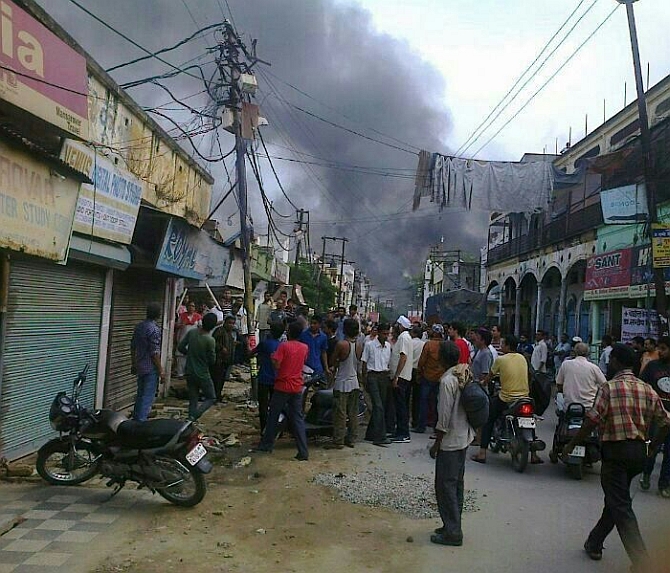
(585, 320)
(571, 317)
(547, 323)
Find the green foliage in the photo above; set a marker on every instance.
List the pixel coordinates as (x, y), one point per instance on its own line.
(305, 275)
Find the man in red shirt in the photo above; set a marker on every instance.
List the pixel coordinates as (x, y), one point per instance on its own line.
(456, 332)
(288, 360)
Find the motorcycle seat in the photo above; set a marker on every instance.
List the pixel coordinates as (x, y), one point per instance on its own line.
(147, 435)
(323, 398)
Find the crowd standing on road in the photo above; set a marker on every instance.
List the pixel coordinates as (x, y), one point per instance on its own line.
(413, 377)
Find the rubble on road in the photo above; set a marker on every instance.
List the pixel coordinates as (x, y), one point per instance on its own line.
(413, 496)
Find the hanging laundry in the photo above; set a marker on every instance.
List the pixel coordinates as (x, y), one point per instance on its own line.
(453, 182)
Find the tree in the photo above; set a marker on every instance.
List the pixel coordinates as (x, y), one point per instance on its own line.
(305, 274)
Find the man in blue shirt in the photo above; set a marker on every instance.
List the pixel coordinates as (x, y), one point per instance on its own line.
(317, 342)
(266, 372)
(145, 352)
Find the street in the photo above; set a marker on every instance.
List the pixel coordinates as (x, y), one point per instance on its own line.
(270, 516)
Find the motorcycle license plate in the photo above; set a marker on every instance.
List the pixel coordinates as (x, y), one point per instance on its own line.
(579, 452)
(526, 422)
(196, 454)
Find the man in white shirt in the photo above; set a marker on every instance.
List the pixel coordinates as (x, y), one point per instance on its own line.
(375, 359)
(604, 362)
(579, 379)
(401, 378)
(577, 382)
(538, 359)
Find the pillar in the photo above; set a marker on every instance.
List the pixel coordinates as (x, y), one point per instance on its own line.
(500, 306)
(517, 312)
(561, 306)
(595, 321)
(538, 307)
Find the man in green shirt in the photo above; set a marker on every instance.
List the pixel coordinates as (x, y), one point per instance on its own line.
(199, 347)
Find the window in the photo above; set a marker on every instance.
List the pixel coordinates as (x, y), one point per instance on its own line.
(663, 107)
(624, 133)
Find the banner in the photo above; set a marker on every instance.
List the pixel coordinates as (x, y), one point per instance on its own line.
(41, 74)
(608, 275)
(107, 209)
(185, 251)
(660, 245)
(624, 205)
(37, 206)
(638, 322)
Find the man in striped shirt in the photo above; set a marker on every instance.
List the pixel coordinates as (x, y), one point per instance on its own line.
(624, 409)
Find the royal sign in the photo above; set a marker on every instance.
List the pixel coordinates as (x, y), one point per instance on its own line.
(40, 73)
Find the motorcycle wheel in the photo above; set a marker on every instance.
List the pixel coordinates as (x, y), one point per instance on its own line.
(494, 445)
(576, 471)
(520, 451)
(190, 488)
(60, 463)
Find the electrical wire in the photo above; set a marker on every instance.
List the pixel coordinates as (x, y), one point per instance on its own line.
(545, 84)
(464, 146)
(260, 135)
(130, 40)
(169, 49)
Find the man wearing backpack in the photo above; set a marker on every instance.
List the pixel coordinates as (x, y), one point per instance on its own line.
(453, 435)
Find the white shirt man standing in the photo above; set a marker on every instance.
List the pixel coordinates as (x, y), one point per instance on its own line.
(538, 359)
(375, 359)
(604, 362)
(401, 378)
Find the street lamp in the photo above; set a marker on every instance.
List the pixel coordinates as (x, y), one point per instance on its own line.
(645, 140)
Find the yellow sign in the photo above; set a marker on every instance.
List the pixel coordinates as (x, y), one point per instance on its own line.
(660, 245)
(37, 206)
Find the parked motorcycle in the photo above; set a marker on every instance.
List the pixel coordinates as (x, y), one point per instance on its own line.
(514, 431)
(164, 456)
(319, 416)
(585, 454)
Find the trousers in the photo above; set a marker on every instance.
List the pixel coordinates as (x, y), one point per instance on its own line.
(147, 384)
(194, 387)
(377, 385)
(622, 461)
(345, 416)
(664, 477)
(449, 490)
(402, 408)
(292, 403)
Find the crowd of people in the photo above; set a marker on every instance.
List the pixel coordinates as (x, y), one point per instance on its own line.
(412, 376)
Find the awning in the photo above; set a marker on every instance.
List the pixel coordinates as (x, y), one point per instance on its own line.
(108, 255)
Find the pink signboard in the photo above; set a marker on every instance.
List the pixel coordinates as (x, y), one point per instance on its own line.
(40, 73)
(608, 274)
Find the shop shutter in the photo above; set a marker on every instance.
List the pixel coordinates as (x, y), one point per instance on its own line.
(131, 292)
(53, 331)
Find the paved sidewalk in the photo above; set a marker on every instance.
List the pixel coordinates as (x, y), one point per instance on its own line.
(52, 529)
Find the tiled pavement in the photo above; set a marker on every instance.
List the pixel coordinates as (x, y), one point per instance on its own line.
(55, 524)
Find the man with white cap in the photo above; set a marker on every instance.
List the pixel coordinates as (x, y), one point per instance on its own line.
(400, 372)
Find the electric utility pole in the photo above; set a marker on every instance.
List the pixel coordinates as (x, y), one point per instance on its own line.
(299, 233)
(649, 167)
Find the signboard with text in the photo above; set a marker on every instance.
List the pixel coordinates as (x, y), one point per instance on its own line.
(40, 73)
(608, 275)
(185, 251)
(660, 245)
(638, 322)
(37, 206)
(642, 274)
(108, 208)
(624, 205)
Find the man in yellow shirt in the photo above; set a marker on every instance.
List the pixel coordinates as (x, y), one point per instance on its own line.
(512, 368)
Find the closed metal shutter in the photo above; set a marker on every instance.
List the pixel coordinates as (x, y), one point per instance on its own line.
(53, 331)
(131, 292)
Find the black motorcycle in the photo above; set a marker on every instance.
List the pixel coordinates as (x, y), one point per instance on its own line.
(319, 416)
(586, 454)
(514, 431)
(164, 456)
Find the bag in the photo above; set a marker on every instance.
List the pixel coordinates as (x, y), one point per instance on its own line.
(475, 402)
(540, 391)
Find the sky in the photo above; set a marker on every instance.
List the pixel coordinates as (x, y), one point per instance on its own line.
(414, 74)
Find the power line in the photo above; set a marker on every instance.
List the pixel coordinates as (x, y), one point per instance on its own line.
(260, 135)
(486, 124)
(130, 40)
(550, 79)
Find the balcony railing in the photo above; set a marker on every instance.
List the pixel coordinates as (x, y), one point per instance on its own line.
(557, 230)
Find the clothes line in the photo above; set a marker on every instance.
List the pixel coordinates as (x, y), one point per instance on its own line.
(454, 182)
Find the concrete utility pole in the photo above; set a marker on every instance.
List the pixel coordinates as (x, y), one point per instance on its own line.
(301, 214)
(344, 241)
(649, 167)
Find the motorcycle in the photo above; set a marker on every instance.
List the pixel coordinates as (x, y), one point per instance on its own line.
(319, 416)
(164, 456)
(514, 431)
(586, 454)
